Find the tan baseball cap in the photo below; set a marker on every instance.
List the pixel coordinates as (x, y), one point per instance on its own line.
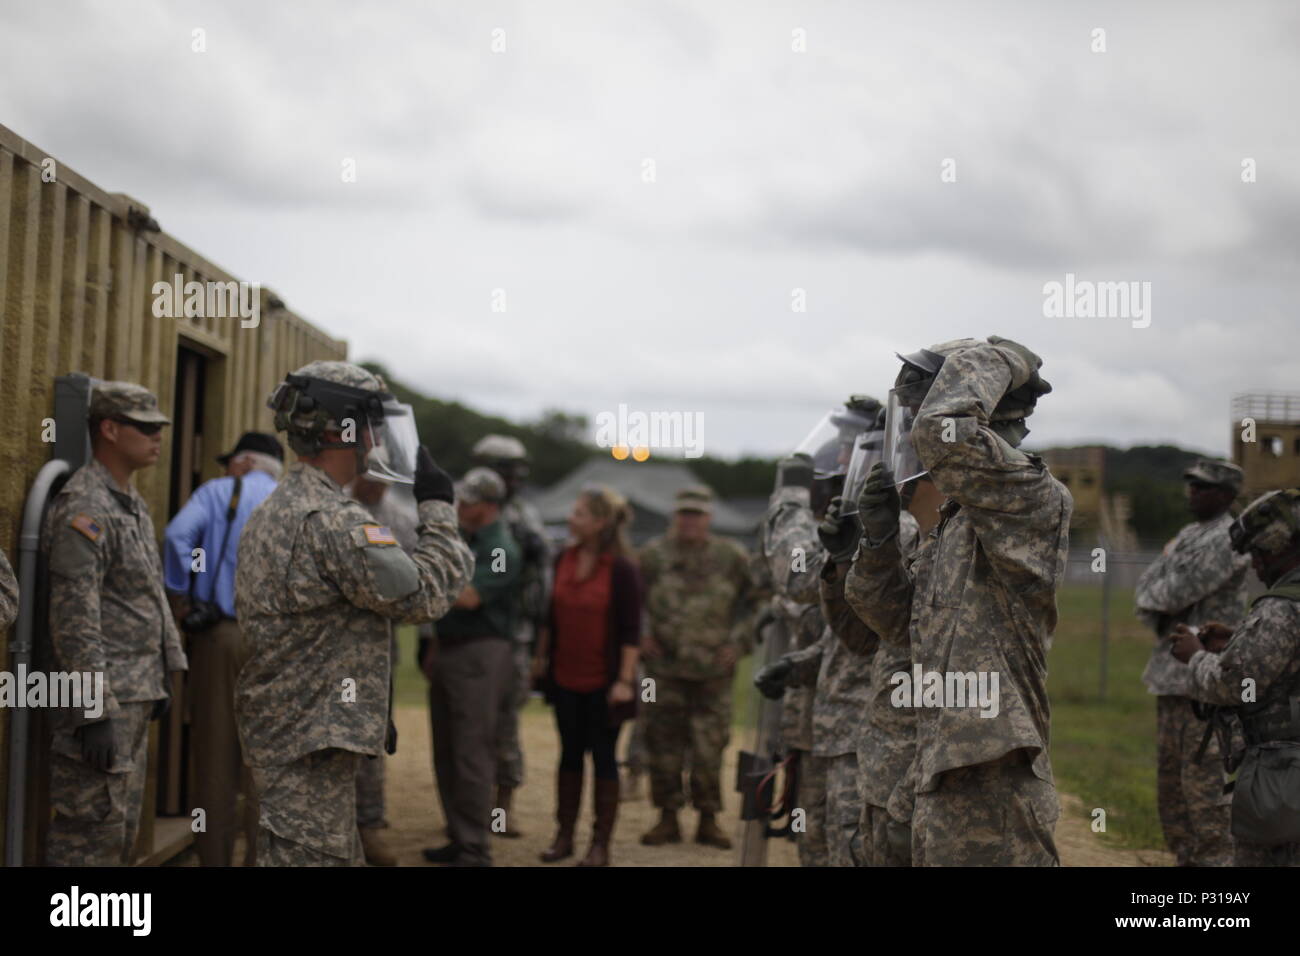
(1215, 472)
(126, 400)
(695, 498)
(481, 484)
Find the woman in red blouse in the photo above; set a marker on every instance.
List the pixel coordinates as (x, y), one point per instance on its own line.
(587, 661)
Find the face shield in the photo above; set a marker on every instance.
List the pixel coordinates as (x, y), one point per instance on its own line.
(830, 443)
(867, 450)
(898, 453)
(394, 444)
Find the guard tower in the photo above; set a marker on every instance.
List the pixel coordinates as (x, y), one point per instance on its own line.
(1272, 460)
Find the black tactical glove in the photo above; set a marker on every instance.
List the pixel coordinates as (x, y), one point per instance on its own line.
(879, 505)
(98, 744)
(839, 535)
(794, 472)
(390, 738)
(770, 679)
(160, 708)
(431, 482)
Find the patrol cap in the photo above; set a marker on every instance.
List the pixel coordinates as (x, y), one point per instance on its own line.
(125, 400)
(481, 485)
(499, 448)
(1215, 472)
(695, 498)
(255, 441)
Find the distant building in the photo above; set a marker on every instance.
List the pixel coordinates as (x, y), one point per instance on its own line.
(649, 487)
(1272, 459)
(1083, 471)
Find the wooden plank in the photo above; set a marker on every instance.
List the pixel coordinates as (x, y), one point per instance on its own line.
(76, 257)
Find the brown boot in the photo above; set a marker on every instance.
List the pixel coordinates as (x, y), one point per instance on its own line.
(709, 834)
(568, 798)
(665, 831)
(376, 848)
(504, 796)
(606, 814)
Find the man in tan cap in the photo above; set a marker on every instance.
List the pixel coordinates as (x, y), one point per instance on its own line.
(108, 615)
(697, 589)
(1198, 579)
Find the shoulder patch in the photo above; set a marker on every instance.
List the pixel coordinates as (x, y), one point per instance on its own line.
(86, 525)
(374, 534)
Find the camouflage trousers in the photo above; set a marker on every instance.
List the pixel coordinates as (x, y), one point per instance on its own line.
(992, 814)
(1195, 813)
(812, 800)
(510, 755)
(370, 792)
(843, 808)
(308, 811)
(878, 849)
(1256, 854)
(97, 813)
(687, 716)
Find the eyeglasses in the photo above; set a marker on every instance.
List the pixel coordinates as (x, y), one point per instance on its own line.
(144, 428)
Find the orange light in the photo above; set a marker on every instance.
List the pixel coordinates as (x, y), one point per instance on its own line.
(640, 452)
(619, 452)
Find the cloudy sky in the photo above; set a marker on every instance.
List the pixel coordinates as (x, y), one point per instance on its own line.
(648, 183)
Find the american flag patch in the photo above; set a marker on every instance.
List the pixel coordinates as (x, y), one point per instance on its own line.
(86, 525)
(377, 534)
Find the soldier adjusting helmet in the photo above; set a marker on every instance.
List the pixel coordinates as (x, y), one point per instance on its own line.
(1270, 525)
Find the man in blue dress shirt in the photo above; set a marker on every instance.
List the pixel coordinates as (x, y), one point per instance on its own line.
(201, 545)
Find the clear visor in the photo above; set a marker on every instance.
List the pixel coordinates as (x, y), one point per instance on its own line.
(394, 444)
(869, 449)
(830, 443)
(898, 453)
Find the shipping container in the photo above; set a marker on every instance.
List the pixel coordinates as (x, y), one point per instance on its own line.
(78, 267)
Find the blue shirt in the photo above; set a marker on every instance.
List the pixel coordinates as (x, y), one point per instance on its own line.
(202, 524)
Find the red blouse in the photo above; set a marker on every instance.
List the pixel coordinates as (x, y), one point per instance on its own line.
(581, 615)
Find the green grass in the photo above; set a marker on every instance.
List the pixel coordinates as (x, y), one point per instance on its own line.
(1104, 751)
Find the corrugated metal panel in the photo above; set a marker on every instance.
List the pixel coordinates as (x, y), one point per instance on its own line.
(75, 284)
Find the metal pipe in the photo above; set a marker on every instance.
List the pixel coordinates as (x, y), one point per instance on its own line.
(29, 542)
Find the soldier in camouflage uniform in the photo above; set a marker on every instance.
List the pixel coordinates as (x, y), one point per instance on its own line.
(317, 583)
(887, 740)
(8, 593)
(108, 615)
(1258, 674)
(697, 588)
(1198, 578)
(394, 510)
(980, 599)
(509, 459)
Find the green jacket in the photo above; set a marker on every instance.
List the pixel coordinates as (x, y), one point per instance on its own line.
(498, 563)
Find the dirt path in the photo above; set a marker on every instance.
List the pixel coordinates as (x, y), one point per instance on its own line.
(416, 816)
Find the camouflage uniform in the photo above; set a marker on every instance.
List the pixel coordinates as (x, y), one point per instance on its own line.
(317, 583)
(108, 614)
(788, 540)
(695, 601)
(397, 512)
(525, 524)
(1265, 649)
(980, 597)
(8, 593)
(1198, 579)
(887, 742)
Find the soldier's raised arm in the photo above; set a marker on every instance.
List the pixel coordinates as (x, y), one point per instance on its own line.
(371, 569)
(877, 585)
(8, 593)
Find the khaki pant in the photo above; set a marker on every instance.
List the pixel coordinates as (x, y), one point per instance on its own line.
(510, 755)
(1194, 812)
(97, 813)
(309, 811)
(219, 770)
(470, 680)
